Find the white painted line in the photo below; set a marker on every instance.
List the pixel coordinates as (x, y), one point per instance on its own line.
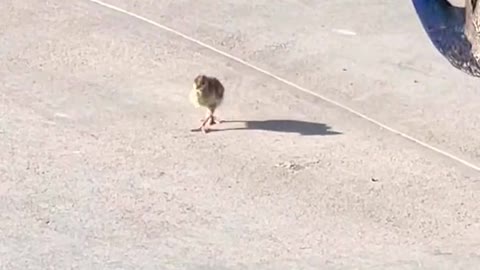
(48, 122)
(344, 32)
(359, 114)
(61, 115)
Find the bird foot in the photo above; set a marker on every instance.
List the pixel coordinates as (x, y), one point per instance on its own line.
(204, 129)
(206, 122)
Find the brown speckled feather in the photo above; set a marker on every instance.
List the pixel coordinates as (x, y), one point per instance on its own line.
(209, 92)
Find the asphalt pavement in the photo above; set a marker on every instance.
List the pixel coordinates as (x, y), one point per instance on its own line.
(349, 141)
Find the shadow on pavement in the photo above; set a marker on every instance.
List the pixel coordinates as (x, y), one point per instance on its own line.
(444, 25)
(288, 126)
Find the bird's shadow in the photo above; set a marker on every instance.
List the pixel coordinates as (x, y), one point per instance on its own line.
(444, 25)
(287, 126)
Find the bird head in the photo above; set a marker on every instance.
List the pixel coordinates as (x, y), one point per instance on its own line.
(200, 81)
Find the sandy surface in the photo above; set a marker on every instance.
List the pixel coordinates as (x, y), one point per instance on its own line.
(100, 171)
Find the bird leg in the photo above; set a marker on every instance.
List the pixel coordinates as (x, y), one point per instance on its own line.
(208, 119)
(207, 116)
(203, 127)
(213, 119)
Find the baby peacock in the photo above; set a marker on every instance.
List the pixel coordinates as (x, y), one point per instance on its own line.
(207, 92)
